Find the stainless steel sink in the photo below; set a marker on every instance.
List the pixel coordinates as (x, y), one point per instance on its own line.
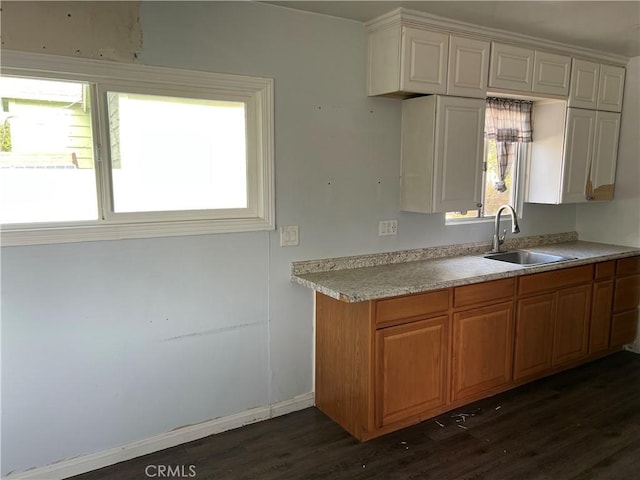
(523, 257)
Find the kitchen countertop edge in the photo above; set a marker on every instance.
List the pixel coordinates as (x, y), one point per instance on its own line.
(343, 284)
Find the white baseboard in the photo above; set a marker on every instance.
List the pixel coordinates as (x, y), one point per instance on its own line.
(87, 463)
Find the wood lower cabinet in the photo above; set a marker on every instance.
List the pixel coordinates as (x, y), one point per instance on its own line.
(482, 350)
(411, 366)
(571, 332)
(552, 320)
(601, 316)
(534, 334)
(626, 298)
(385, 364)
(601, 306)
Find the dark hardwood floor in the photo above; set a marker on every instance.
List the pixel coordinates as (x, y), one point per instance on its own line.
(580, 424)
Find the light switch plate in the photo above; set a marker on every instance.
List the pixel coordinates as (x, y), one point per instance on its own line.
(289, 236)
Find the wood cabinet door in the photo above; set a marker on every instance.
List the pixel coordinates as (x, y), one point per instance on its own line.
(611, 88)
(624, 327)
(482, 349)
(601, 310)
(583, 92)
(411, 367)
(535, 318)
(511, 67)
(578, 151)
(551, 73)
(424, 61)
(571, 332)
(468, 67)
(459, 153)
(602, 172)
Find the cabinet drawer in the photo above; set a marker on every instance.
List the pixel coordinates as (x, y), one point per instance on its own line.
(627, 266)
(627, 293)
(555, 279)
(605, 270)
(411, 306)
(484, 292)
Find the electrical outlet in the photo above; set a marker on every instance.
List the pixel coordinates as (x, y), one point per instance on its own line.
(387, 227)
(289, 236)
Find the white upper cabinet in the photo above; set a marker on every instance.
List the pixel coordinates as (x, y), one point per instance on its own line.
(596, 86)
(584, 84)
(468, 67)
(602, 171)
(511, 67)
(527, 70)
(424, 61)
(610, 88)
(442, 153)
(405, 60)
(551, 73)
(581, 127)
(578, 165)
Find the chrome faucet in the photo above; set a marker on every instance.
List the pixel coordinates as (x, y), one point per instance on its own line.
(499, 239)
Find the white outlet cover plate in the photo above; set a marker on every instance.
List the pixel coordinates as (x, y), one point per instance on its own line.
(289, 236)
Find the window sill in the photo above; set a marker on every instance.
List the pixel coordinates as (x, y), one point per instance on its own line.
(97, 232)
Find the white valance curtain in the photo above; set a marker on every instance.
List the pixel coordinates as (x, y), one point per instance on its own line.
(508, 122)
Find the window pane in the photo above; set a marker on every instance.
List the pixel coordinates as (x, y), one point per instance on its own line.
(171, 153)
(493, 198)
(46, 152)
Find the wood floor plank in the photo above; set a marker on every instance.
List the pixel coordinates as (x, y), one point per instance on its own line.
(583, 424)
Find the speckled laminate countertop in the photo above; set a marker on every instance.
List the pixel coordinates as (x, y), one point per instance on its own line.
(406, 277)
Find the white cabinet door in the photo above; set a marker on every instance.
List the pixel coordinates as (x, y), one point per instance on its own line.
(605, 154)
(584, 84)
(551, 73)
(424, 61)
(468, 67)
(511, 67)
(442, 153)
(610, 89)
(458, 154)
(578, 152)
(418, 147)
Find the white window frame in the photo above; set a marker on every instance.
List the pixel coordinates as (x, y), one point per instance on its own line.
(256, 92)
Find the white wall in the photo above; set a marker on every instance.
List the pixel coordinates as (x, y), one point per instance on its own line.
(106, 343)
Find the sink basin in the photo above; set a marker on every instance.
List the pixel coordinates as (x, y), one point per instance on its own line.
(523, 257)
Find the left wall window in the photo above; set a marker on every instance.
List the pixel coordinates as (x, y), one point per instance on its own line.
(94, 150)
(46, 152)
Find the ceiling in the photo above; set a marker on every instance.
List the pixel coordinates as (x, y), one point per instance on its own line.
(607, 26)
